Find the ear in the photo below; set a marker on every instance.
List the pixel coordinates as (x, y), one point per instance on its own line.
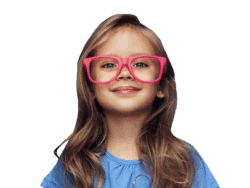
(159, 93)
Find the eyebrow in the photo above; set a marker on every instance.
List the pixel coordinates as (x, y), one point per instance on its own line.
(132, 55)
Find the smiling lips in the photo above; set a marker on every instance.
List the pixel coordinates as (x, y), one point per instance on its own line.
(126, 91)
(126, 88)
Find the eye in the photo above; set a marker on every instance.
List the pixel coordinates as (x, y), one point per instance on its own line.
(141, 64)
(107, 64)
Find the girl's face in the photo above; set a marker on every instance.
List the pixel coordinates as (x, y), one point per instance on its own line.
(126, 43)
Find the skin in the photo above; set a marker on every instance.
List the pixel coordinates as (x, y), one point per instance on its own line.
(125, 115)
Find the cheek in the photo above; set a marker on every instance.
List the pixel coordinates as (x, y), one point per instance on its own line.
(102, 94)
(99, 88)
(151, 88)
(149, 93)
(152, 92)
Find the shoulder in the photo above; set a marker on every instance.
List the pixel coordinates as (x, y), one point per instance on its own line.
(203, 175)
(55, 177)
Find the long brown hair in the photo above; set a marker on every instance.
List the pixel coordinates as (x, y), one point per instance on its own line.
(169, 156)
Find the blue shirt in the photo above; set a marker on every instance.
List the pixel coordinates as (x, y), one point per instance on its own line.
(121, 173)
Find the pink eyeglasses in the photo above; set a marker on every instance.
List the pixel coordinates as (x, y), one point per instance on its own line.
(99, 73)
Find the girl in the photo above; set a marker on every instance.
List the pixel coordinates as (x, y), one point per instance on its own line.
(126, 104)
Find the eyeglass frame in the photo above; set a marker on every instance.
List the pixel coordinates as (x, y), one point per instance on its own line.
(127, 62)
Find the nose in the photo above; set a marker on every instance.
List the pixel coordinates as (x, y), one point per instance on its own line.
(125, 73)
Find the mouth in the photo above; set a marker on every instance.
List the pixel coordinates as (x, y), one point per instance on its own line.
(126, 91)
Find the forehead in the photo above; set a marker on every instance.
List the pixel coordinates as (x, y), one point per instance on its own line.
(125, 42)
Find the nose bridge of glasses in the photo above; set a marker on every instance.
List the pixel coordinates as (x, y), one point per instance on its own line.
(125, 63)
